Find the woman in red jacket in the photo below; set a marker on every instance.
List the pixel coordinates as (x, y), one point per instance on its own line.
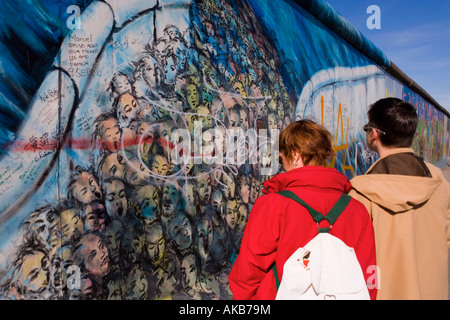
(278, 226)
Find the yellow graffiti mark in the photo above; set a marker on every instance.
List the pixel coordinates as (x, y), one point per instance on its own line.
(322, 104)
(343, 147)
(389, 94)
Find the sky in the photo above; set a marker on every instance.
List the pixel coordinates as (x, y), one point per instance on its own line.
(413, 34)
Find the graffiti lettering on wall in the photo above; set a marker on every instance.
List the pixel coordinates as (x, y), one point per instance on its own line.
(329, 99)
(339, 128)
(431, 140)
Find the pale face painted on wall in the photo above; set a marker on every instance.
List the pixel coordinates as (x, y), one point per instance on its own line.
(171, 198)
(127, 108)
(121, 84)
(136, 173)
(244, 191)
(94, 216)
(192, 96)
(71, 224)
(86, 189)
(180, 231)
(115, 287)
(189, 271)
(146, 135)
(232, 213)
(95, 255)
(137, 285)
(149, 71)
(272, 122)
(244, 120)
(167, 284)
(155, 244)
(254, 189)
(115, 199)
(217, 203)
(203, 187)
(110, 135)
(242, 218)
(40, 224)
(204, 115)
(230, 186)
(234, 120)
(112, 166)
(170, 70)
(33, 272)
(209, 28)
(113, 237)
(208, 145)
(147, 199)
(205, 237)
(160, 165)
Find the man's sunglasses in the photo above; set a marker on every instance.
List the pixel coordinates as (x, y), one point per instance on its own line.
(366, 128)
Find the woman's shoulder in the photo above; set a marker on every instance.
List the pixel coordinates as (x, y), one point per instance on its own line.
(269, 200)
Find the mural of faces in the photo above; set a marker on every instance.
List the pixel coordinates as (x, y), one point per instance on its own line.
(136, 223)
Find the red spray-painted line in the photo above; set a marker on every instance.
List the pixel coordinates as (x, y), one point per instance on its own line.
(35, 145)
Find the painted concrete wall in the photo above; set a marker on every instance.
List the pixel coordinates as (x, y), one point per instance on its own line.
(135, 165)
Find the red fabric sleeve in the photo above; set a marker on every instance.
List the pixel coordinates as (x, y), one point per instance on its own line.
(258, 249)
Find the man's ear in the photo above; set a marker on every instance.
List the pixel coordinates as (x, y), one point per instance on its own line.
(373, 134)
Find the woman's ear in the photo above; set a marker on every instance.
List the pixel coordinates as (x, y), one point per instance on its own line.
(297, 159)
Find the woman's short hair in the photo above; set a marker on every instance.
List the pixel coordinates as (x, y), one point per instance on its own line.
(313, 141)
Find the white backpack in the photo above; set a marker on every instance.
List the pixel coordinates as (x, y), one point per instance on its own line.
(326, 268)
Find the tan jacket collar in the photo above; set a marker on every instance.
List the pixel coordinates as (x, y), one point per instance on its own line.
(393, 151)
(397, 193)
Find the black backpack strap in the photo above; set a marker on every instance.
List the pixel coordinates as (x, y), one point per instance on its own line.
(331, 216)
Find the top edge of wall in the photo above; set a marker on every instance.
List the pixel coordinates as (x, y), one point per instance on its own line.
(332, 19)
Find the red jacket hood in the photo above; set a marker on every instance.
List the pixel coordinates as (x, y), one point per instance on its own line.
(309, 176)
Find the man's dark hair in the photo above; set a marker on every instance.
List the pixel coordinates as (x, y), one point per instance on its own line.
(397, 119)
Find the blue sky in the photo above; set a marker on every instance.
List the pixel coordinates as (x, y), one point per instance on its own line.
(414, 34)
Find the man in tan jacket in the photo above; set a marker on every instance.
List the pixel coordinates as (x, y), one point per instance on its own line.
(408, 201)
